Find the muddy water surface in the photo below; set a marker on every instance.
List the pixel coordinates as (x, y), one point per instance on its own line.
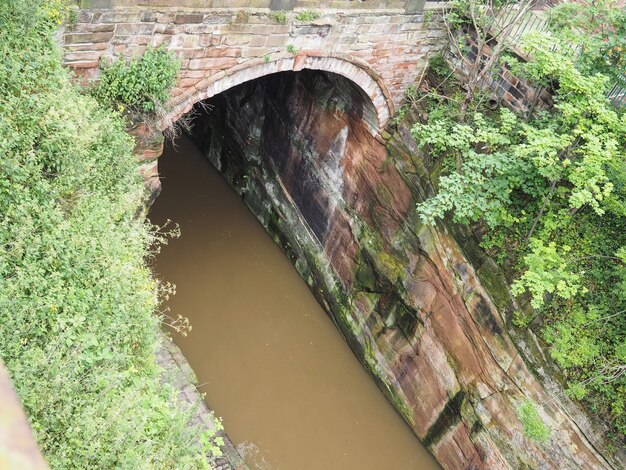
(270, 361)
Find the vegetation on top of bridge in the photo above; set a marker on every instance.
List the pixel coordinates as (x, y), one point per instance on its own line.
(78, 303)
(545, 192)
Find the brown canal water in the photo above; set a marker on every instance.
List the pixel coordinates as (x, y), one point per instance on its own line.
(270, 361)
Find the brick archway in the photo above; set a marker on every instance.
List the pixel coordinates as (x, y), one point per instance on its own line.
(353, 69)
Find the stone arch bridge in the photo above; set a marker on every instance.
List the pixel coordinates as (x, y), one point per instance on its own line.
(382, 46)
(412, 307)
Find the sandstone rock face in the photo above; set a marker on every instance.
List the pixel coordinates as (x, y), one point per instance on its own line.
(341, 204)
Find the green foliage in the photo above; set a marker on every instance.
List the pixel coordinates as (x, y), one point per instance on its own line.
(551, 187)
(307, 15)
(486, 146)
(77, 298)
(439, 66)
(547, 273)
(598, 28)
(292, 49)
(522, 320)
(211, 442)
(428, 17)
(279, 16)
(534, 427)
(141, 84)
(410, 98)
(72, 16)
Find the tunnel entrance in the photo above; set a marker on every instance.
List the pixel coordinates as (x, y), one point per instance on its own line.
(291, 127)
(272, 364)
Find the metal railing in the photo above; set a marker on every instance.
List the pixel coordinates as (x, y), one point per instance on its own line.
(617, 94)
(532, 20)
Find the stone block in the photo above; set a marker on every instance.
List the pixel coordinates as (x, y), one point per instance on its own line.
(277, 40)
(90, 28)
(197, 74)
(82, 56)
(222, 63)
(84, 16)
(134, 28)
(257, 41)
(250, 52)
(161, 29)
(282, 4)
(281, 29)
(188, 18)
(134, 41)
(148, 17)
(217, 18)
(196, 28)
(309, 29)
(99, 46)
(412, 27)
(78, 38)
(163, 17)
(187, 82)
(116, 16)
(201, 64)
(86, 64)
(414, 6)
(206, 40)
(177, 40)
(96, 4)
(231, 3)
(191, 41)
(160, 39)
(263, 29)
(235, 39)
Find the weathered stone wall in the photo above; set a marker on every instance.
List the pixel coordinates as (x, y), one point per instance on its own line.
(380, 46)
(516, 93)
(402, 5)
(340, 203)
(379, 41)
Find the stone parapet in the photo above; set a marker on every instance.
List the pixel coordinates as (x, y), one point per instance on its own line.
(388, 47)
(287, 5)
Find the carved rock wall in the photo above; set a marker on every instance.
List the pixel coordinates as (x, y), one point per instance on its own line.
(341, 204)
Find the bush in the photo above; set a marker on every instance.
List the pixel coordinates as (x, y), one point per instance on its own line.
(307, 15)
(141, 84)
(279, 16)
(77, 298)
(549, 190)
(534, 427)
(439, 66)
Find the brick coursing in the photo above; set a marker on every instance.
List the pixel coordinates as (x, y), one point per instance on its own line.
(389, 44)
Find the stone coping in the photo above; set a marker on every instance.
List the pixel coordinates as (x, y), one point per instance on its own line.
(408, 6)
